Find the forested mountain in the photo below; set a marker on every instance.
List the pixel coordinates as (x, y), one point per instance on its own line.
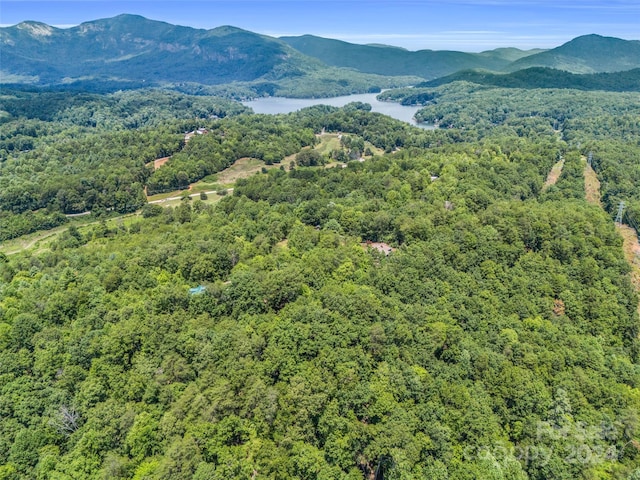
(540, 77)
(137, 49)
(586, 54)
(130, 51)
(386, 60)
(509, 54)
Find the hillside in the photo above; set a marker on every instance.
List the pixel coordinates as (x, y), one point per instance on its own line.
(539, 77)
(137, 49)
(510, 54)
(586, 54)
(192, 291)
(130, 51)
(259, 335)
(387, 60)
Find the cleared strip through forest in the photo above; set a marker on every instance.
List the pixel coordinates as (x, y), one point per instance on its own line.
(591, 186)
(554, 174)
(630, 246)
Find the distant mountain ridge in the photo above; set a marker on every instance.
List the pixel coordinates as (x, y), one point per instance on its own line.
(135, 48)
(586, 54)
(131, 48)
(388, 60)
(543, 77)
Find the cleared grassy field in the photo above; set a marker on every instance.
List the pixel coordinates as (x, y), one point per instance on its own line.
(174, 202)
(35, 239)
(328, 143)
(242, 168)
(554, 174)
(39, 241)
(591, 186)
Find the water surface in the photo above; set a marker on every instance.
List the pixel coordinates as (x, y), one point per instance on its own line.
(273, 105)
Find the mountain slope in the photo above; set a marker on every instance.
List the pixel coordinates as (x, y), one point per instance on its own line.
(131, 48)
(509, 54)
(386, 60)
(135, 48)
(539, 77)
(586, 54)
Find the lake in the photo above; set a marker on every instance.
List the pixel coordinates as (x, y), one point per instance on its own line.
(273, 105)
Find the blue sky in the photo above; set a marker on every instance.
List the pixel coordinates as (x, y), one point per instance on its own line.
(467, 25)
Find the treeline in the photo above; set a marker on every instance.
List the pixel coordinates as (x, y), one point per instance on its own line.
(91, 153)
(541, 77)
(124, 109)
(464, 105)
(101, 170)
(16, 225)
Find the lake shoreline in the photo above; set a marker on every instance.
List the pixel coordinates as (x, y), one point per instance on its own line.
(276, 105)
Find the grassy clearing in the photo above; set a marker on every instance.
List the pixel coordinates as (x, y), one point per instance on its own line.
(375, 150)
(39, 241)
(16, 245)
(211, 199)
(631, 249)
(203, 186)
(242, 168)
(554, 174)
(591, 186)
(165, 195)
(328, 143)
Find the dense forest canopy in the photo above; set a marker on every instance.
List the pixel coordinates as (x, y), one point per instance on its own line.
(540, 77)
(497, 340)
